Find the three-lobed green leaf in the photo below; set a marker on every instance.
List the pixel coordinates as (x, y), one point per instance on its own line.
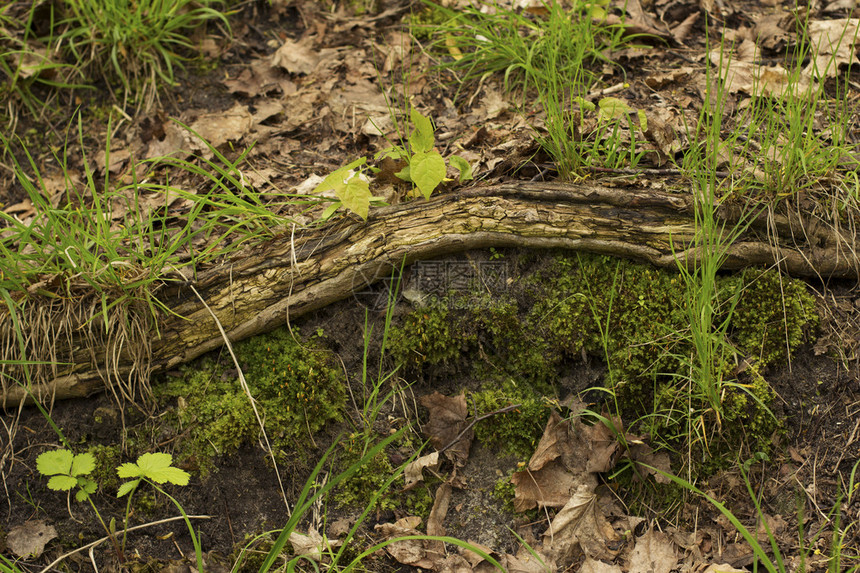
(157, 467)
(68, 471)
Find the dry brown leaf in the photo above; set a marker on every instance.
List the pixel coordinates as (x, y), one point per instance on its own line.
(682, 30)
(311, 545)
(447, 420)
(604, 447)
(723, 568)
(833, 44)
(592, 566)
(259, 79)
(28, 540)
(770, 30)
(550, 486)
(581, 527)
(413, 472)
(439, 510)
(653, 552)
(755, 80)
(297, 57)
(220, 127)
(410, 551)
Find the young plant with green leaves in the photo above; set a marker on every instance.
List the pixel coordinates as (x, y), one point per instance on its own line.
(554, 53)
(424, 167)
(68, 471)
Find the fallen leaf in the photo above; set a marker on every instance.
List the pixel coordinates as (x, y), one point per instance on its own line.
(296, 57)
(593, 566)
(723, 568)
(310, 545)
(413, 472)
(29, 539)
(654, 552)
(580, 526)
(447, 421)
(833, 44)
(410, 551)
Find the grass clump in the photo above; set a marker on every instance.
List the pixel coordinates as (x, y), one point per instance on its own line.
(370, 486)
(135, 43)
(293, 383)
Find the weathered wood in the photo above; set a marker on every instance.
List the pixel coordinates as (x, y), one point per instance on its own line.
(292, 275)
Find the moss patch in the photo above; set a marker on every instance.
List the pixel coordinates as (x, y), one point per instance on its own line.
(631, 315)
(297, 389)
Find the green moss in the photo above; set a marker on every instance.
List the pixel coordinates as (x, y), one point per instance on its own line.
(298, 391)
(631, 315)
(108, 458)
(428, 336)
(772, 315)
(516, 432)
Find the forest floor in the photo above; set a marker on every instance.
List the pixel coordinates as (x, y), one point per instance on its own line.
(304, 88)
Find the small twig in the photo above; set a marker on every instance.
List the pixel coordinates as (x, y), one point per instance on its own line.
(97, 542)
(478, 419)
(93, 559)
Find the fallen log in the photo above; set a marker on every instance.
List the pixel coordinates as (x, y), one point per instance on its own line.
(291, 275)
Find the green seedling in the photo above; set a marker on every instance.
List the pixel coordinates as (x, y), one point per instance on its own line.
(158, 469)
(69, 471)
(425, 169)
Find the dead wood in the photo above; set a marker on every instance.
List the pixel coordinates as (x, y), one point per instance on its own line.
(294, 274)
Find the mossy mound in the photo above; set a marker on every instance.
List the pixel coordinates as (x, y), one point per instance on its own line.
(635, 318)
(296, 387)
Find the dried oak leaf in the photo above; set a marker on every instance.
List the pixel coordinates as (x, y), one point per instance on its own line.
(447, 421)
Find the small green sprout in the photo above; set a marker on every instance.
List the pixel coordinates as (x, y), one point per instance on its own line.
(425, 169)
(68, 471)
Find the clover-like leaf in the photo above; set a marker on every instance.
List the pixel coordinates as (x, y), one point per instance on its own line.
(422, 138)
(55, 462)
(88, 487)
(156, 467)
(427, 171)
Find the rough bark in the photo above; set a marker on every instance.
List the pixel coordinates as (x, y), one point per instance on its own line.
(297, 273)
